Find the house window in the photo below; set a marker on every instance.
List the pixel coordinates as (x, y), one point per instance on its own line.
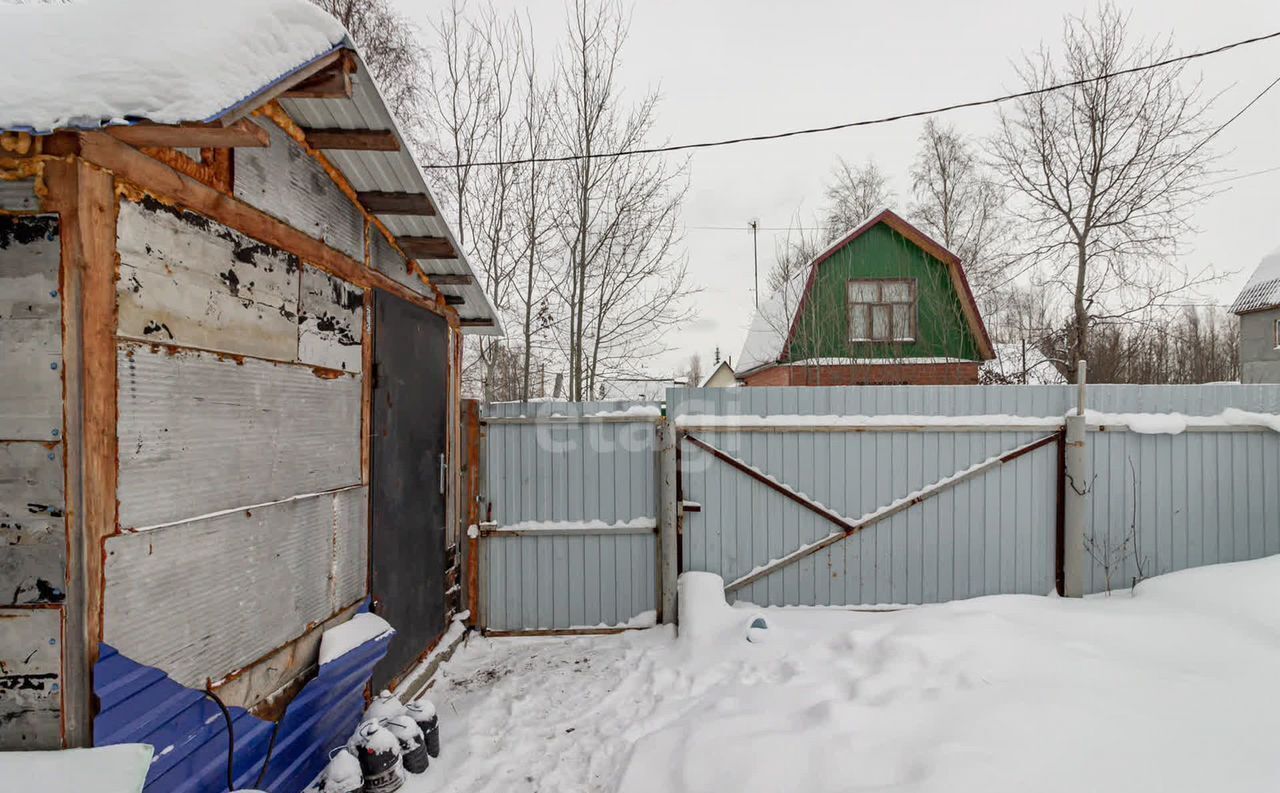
(1277, 334)
(882, 310)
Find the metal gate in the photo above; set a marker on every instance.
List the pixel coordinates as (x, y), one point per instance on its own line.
(805, 513)
(568, 516)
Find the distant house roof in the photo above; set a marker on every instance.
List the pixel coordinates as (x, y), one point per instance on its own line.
(89, 65)
(723, 365)
(774, 321)
(1262, 291)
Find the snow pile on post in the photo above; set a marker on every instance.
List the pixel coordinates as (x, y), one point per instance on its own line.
(86, 64)
(705, 617)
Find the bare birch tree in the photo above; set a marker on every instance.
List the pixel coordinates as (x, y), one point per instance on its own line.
(624, 284)
(961, 206)
(1106, 172)
(855, 192)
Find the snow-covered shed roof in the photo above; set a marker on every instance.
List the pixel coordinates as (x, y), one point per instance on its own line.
(1262, 291)
(90, 64)
(773, 323)
(1020, 362)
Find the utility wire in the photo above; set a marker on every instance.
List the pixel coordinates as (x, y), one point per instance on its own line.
(866, 122)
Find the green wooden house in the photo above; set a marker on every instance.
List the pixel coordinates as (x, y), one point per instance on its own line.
(883, 304)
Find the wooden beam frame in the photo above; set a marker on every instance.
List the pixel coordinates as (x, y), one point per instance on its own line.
(155, 177)
(477, 323)
(451, 279)
(84, 197)
(331, 82)
(351, 139)
(454, 300)
(243, 134)
(427, 248)
(381, 202)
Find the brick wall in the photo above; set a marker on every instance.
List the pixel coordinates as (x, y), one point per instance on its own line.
(964, 373)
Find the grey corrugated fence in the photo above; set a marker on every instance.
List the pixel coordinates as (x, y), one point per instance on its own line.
(570, 537)
(944, 492)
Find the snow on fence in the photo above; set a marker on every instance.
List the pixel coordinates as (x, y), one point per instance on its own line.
(569, 533)
(1178, 476)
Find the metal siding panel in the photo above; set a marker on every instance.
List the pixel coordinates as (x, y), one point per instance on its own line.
(141, 705)
(330, 321)
(203, 598)
(185, 279)
(30, 328)
(284, 181)
(31, 658)
(388, 261)
(18, 195)
(33, 565)
(350, 561)
(201, 433)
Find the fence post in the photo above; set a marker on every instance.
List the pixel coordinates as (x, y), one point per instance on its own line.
(668, 515)
(1076, 494)
(472, 469)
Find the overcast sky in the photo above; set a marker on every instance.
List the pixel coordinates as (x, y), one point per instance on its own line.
(726, 68)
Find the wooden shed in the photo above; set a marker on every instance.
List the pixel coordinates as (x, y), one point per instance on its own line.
(231, 323)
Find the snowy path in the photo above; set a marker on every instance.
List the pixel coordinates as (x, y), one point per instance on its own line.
(1174, 689)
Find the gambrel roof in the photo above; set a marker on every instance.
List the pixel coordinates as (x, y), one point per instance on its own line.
(1262, 291)
(197, 66)
(774, 324)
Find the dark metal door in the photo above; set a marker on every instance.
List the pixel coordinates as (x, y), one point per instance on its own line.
(407, 537)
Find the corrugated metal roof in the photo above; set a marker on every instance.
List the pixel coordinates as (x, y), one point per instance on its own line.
(393, 171)
(140, 704)
(1262, 290)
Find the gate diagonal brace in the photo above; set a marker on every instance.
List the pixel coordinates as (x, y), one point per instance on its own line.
(847, 527)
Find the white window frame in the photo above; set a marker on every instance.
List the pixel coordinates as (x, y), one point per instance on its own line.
(894, 307)
(1276, 332)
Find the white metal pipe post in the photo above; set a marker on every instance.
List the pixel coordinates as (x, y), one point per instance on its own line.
(1075, 494)
(668, 529)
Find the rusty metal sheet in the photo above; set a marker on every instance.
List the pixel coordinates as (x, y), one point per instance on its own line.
(185, 279)
(330, 321)
(201, 433)
(203, 598)
(18, 195)
(32, 532)
(284, 181)
(30, 678)
(30, 328)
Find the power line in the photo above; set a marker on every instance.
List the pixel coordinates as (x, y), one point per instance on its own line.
(867, 122)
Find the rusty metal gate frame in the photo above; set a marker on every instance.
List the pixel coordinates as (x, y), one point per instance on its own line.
(847, 527)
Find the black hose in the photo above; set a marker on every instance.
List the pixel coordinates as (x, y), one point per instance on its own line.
(231, 739)
(231, 742)
(271, 745)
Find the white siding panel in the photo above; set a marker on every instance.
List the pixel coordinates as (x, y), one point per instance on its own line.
(187, 280)
(31, 659)
(203, 598)
(283, 181)
(201, 433)
(30, 328)
(32, 534)
(19, 195)
(331, 321)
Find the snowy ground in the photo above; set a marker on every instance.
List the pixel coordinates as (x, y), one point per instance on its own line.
(1173, 688)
